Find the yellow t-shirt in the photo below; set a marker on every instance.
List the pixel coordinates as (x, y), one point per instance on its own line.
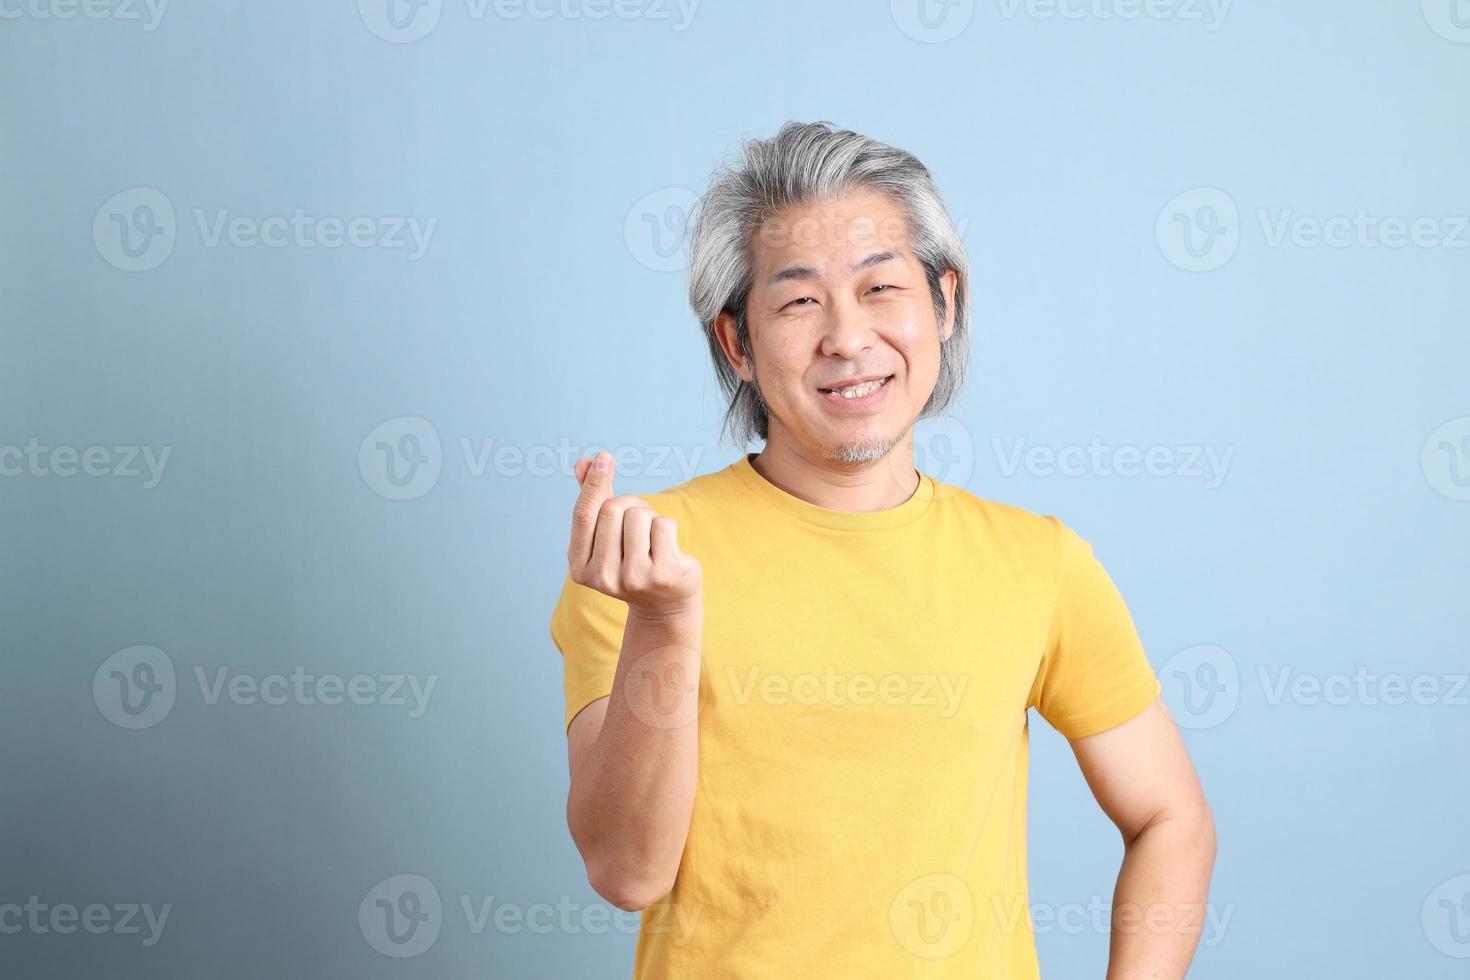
(860, 810)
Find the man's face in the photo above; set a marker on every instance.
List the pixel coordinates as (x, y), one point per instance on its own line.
(838, 296)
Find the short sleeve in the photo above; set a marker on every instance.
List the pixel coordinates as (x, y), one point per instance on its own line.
(1094, 673)
(587, 627)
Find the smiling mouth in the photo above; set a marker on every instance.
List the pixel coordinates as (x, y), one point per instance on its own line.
(857, 390)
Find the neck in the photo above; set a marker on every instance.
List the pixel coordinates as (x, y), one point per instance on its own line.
(856, 487)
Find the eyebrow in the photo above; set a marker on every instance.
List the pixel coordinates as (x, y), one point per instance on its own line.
(806, 272)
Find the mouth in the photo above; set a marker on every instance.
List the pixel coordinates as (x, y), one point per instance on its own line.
(858, 392)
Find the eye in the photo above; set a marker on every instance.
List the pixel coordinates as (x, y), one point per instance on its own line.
(801, 302)
(882, 285)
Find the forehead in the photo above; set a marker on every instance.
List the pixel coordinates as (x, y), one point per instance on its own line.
(830, 234)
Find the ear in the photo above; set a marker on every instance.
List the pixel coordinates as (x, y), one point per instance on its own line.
(948, 283)
(730, 344)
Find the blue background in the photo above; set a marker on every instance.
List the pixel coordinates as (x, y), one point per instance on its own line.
(545, 309)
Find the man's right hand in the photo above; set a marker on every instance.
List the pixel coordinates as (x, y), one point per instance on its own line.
(625, 549)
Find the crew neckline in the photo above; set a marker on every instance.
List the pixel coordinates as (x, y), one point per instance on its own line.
(839, 520)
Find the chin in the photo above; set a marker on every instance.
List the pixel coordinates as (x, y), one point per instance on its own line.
(865, 448)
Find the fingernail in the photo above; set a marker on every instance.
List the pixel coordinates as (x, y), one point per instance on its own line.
(599, 462)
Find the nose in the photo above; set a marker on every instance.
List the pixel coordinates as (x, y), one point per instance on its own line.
(849, 330)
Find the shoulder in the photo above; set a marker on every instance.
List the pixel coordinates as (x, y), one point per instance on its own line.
(1015, 524)
(1040, 547)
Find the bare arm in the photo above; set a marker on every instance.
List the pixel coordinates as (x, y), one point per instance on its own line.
(1142, 778)
(633, 755)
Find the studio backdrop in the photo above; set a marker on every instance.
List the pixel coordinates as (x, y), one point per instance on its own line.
(307, 310)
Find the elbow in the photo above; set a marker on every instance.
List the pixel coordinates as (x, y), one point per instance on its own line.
(1188, 827)
(1199, 829)
(627, 892)
(626, 884)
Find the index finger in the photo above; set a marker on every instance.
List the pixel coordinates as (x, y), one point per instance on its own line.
(596, 488)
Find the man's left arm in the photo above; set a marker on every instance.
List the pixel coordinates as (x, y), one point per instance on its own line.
(1142, 778)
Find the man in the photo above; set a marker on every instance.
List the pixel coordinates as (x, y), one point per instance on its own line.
(797, 688)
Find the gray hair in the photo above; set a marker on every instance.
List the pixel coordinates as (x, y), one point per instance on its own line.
(802, 163)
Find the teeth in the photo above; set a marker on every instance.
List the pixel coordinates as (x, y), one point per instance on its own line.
(858, 391)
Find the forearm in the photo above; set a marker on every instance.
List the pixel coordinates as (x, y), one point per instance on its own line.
(632, 797)
(1159, 904)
